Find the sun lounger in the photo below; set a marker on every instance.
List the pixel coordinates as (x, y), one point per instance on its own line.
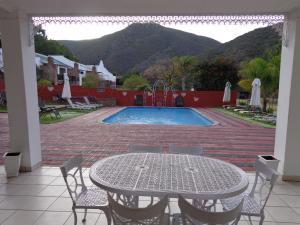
(48, 110)
(78, 105)
(87, 101)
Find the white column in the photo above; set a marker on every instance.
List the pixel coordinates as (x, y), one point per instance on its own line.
(287, 143)
(21, 88)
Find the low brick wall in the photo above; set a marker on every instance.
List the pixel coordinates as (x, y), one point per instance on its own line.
(127, 98)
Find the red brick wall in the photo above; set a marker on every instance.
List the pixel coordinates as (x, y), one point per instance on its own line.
(126, 98)
(191, 98)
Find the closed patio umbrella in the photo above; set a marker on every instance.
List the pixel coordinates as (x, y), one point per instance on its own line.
(227, 92)
(255, 93)
(67, 90)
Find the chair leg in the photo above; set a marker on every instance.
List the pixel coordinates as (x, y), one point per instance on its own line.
(84, 217)
(262, 218)
(108, 215)
(75, 217)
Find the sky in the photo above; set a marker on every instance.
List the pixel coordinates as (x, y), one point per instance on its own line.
(221, 33)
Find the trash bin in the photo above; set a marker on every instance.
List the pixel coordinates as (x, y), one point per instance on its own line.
(270, 160)
(12, 162)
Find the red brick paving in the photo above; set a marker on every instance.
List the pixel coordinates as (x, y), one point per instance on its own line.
(232, 139)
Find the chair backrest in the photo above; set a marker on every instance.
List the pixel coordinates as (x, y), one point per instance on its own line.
(123, 215)
(139, 100)
(70, 102)
(145, 149)
(188, 150)
(179, 102)
(193, 215)
(72, 174)
(265, 179)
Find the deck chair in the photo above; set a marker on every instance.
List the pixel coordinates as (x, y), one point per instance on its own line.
(48, 110)
(83, 197)
(78, 105)
(87, 101)
(151, 215)
(179, 101)
(188, 150)
(139, 100)
(256, 200)
(191, 215)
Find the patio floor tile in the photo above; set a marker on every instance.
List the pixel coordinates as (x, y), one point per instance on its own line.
(61, 204)
(283, 214)
(91, 219)
(52, 190)
(26, 202)
(32, 180)
(53, 218)
(16, 189)
(4, 214)
(23, 217)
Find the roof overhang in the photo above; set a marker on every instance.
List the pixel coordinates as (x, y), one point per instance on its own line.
(146, 7)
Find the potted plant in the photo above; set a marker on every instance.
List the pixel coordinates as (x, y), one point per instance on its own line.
(270, 160)
(12, 161)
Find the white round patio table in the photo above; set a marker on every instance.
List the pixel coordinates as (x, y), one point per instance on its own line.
(152, 174)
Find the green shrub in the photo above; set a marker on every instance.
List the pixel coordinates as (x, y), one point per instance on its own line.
(91, 80)
(44, 83)
(134, 82)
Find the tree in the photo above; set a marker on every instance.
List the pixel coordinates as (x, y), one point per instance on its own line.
(135, 82)
(267, 70)
(163, 70)
(213, 75)
(91, 80)
(51, 47)
(184, 66)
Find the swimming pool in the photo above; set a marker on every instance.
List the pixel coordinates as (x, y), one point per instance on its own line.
(158, 115)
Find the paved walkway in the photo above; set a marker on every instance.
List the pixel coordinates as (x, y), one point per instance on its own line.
(231, 139)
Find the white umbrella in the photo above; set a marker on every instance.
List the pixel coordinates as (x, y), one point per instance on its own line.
(255, 94)
(227, 92)
(67, 90)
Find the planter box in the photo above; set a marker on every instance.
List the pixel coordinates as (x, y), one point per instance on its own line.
(270, 160)
(12, 161)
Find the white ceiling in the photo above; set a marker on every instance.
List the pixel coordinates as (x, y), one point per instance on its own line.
(148, 7)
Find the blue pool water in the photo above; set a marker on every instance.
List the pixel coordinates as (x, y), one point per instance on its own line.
(158, 115)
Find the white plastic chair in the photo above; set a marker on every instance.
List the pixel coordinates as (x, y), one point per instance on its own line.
(151, 215)
(82, 197)
(256, 200)
(188, 150)
(191, 215)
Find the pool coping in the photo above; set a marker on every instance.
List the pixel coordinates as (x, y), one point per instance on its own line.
(214, 122)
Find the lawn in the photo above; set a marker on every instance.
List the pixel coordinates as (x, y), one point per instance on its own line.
(3, 109)
(65, 115)
(248, 118)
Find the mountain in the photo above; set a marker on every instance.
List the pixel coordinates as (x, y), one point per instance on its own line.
(138, 46)
(247, 46)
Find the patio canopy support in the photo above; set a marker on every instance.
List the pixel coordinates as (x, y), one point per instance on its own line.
(21, 87)
(288, 124)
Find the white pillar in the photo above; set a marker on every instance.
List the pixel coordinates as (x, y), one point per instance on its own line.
(287, 143)
(21, 87)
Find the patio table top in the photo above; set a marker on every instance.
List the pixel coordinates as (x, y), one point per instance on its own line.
(152, 174)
